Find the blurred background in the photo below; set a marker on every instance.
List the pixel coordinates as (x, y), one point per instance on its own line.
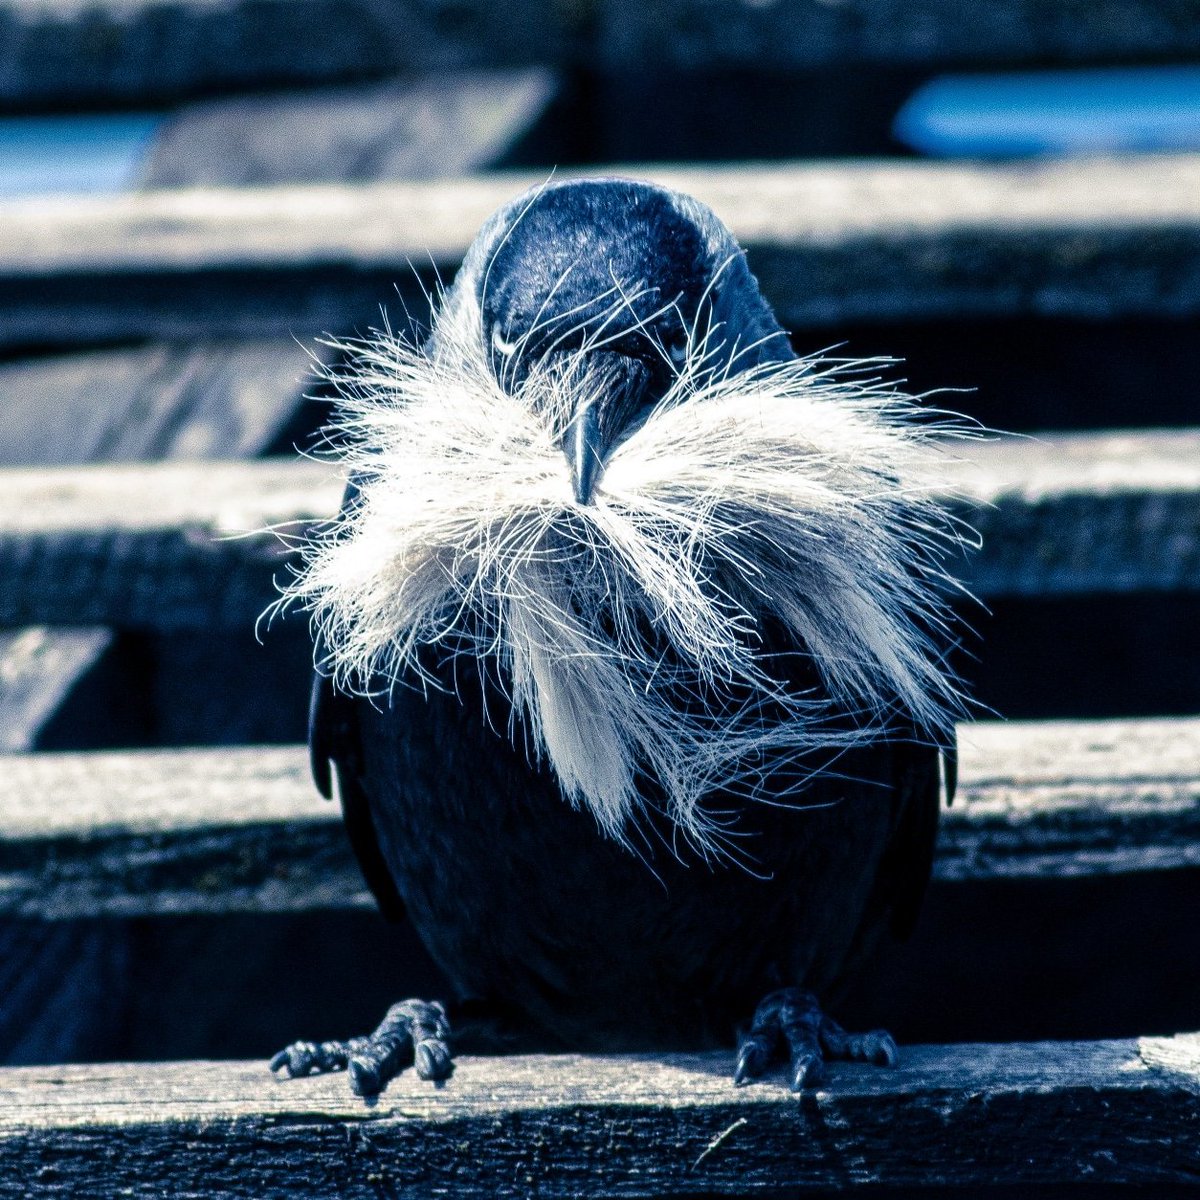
(113, 350)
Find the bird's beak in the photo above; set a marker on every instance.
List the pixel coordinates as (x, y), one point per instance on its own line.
(625, 387)
(582, 444)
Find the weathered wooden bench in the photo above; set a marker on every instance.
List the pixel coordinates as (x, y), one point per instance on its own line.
(69, 685)
(214, 831)
(969, 1116)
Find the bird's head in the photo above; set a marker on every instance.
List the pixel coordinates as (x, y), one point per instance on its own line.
(612, 286)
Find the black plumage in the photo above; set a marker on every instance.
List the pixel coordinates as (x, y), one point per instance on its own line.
(589, 941)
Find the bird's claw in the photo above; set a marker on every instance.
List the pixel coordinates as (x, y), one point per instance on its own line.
(314, 1058)
(414, 1032)
(791, 1021)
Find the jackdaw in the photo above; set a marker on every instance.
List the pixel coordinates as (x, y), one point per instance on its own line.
(631, 647)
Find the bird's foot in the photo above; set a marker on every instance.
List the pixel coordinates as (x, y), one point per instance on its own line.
(414, 1032)
(790, 1022)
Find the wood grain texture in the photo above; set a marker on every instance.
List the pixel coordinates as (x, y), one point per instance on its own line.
(1067, 514)
(1058, 798)
(568, 1126)
(173, 546)
(58, 50)
(140, 832)
(830, 242)
(168, 832)
(161, 546)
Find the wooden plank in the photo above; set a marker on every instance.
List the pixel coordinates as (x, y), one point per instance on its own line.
(173, 546)
(162, 546)
(39, 667)
(436, 125)
(243, 830)
(226, 399)
(791, 34)
(1050, 799)
(169, 832)
(563, 1125)
(53, 50)
(151, 50)
(831, 243)
(1069, 514)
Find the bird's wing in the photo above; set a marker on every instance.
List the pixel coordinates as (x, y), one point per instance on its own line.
(907, 862)
(335, 749)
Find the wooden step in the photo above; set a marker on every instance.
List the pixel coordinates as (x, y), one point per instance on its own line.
(563, 1125)
(155, 48)
(831, 243)
(172, 546)
(145, 51)
(243, 830)
(937, 33)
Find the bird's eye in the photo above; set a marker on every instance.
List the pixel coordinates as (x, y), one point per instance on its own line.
(504, 348)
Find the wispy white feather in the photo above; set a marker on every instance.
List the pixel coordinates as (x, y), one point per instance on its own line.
(626, 630)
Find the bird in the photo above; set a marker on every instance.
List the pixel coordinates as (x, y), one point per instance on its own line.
(631, 645)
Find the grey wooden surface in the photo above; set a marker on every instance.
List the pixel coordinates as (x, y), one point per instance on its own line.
(150, 50)
(569, 1126)
(1069, 514)
(242, 829)
(181, 546)
(186, 402)
(39, 667)
(132, 49)
(808, 33)
(434, 125)
(150, 402)
(63, 988)
(831, 243)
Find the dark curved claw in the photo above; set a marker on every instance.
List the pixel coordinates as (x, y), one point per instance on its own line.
(414, 1032)
(791, 1019)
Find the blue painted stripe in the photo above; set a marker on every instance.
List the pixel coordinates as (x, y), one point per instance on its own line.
(1054, 112)
(104, 153)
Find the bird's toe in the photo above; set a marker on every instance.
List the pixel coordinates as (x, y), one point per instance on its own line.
(414, 1032)
(312, 1058)
(789, 1025)
(877, 1046)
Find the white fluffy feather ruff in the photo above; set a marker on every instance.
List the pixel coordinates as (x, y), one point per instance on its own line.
(625, 629)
